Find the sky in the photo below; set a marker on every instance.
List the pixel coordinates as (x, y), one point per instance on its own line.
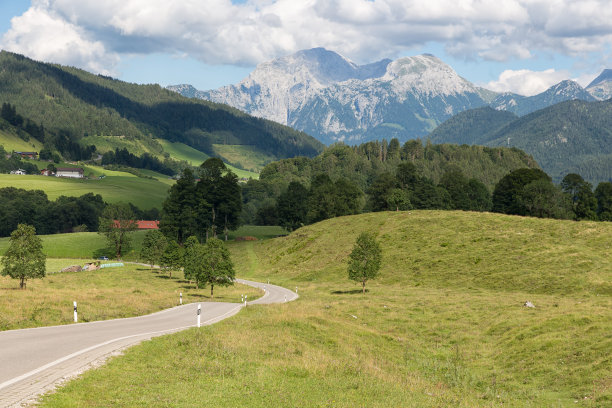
(522, 46)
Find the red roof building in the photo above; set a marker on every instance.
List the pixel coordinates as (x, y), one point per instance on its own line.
(148, 224)
(143, 225)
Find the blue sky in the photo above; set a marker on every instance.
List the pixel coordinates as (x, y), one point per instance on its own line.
(522, 46)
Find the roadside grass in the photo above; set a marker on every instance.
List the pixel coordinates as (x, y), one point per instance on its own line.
(108, 293)
(443, 325)
(248, 156)
(142, 192)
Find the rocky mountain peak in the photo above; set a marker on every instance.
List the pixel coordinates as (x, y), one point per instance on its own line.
(601, 87)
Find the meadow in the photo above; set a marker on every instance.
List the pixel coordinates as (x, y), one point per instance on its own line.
(443, 325)
(11, 142)
(131, 290)
(143, 192)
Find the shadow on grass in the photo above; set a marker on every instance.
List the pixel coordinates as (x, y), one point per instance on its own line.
(349, 292)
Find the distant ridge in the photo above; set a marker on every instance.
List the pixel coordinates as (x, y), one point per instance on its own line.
(333, 99)
(76, 104)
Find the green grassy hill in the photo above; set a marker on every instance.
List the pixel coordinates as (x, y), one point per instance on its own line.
(11, 142)
(443, 325)
(142, 192)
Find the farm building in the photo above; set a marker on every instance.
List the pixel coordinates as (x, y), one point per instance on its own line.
(142, 224)
(19, 171)
(73, 172)
(28, 155)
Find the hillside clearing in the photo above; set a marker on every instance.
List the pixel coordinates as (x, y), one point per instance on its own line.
(142, 192)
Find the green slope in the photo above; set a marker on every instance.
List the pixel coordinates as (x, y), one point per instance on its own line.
(11, 142)
(85, 105)
(444, 325)
(569, 137)
(142, 192)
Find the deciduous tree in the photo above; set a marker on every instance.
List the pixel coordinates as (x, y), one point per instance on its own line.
(24, 258)
(116, 224)
(365, 259)
(172, 258)
(216, 265)
(153, 246)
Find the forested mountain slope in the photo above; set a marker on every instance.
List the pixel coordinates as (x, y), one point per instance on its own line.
(80, 104)
(569, 137)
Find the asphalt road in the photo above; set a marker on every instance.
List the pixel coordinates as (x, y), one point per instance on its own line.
(34, 361)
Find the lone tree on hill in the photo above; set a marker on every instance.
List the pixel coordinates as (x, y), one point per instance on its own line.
(24, 257)
(365, 259)
(116, 223)
(153, 247)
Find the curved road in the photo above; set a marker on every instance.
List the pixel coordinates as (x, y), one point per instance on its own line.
(33, 361)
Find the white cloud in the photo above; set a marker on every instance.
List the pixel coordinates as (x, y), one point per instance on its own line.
(43, 36)
(526, 82)
(93, 33)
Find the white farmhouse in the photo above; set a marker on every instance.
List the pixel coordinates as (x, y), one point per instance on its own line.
(73, 172)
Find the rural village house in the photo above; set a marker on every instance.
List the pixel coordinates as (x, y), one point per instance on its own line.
(72, 172)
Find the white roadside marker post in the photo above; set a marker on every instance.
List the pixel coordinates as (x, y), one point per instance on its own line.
(199, 311)
(181, 298)
(296, 289)
(245, 300)
(285, 298)
(75, 312)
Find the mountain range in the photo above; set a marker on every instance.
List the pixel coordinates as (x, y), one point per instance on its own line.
(568, 137)
(333, 99)
(80, 107)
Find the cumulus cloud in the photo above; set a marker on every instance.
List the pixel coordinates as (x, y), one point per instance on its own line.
(92, 33)
(44, 36)
(526, 82)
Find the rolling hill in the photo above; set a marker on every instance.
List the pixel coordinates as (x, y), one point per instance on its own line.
(444, 324)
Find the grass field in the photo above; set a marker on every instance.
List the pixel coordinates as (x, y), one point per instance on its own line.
(108, 293)
(12, 142)
(245, 155)
(142, 192)
(79, 245)
(181, 151)
(443, 325)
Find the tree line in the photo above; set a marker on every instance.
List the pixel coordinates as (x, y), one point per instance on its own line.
(145, 161)
(384, 177)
